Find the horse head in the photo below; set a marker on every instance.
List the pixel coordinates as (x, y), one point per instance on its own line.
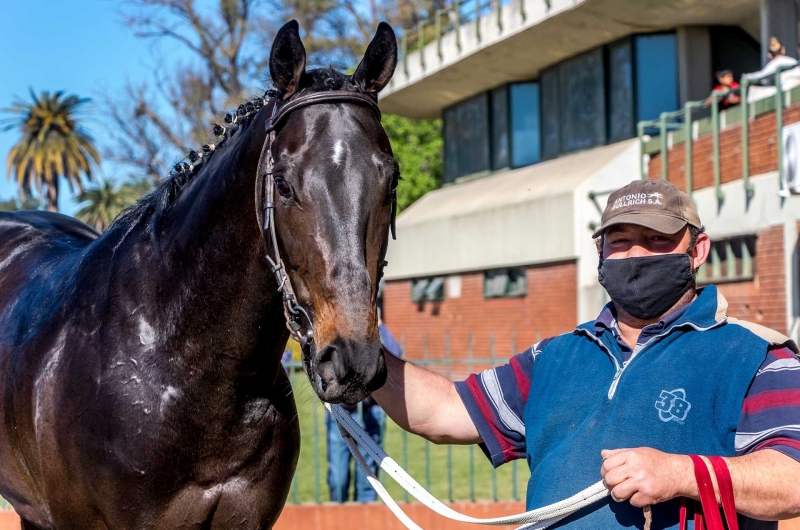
(334, 178)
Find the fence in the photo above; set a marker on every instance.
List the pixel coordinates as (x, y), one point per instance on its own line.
(451, 473)
(679, 126)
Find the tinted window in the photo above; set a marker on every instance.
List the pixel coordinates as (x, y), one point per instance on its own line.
(620, 97)
(583, 112)
(551, 132)
(525, 136)
(656, 75)
(467, 137)
(500, 144)
(450, 144)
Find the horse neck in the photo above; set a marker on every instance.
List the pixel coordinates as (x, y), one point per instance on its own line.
(214, 250)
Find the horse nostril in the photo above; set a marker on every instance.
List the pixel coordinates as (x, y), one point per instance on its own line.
(331, 364)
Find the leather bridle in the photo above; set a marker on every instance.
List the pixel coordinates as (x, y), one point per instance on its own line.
(265, 182)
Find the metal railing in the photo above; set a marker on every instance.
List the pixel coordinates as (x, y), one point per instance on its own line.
(449, 472)
(453, 18)
(674, 127)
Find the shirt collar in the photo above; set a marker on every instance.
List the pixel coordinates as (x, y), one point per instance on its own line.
(607, 319)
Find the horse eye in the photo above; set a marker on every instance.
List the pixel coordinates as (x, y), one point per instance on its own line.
(283, 188)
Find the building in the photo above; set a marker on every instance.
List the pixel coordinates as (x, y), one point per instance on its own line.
(540, 102)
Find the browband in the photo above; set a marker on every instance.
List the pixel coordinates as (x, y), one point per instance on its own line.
(279, 113)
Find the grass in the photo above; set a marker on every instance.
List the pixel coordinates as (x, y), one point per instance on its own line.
(472, 474)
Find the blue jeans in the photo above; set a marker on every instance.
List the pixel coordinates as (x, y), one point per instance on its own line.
(339, 456)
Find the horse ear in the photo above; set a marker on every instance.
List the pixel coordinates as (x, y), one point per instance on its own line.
(287, 59)
(377, 67)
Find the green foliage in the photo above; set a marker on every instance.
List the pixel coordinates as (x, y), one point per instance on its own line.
(101, 204)
(53, 145)
(418, 148)
(12, 205)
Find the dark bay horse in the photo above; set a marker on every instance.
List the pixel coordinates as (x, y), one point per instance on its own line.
(140, 369)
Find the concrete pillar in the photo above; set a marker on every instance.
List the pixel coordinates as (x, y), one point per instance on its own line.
(779, 19)
(695, 73)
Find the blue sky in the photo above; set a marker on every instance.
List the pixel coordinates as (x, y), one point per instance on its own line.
(80, 46)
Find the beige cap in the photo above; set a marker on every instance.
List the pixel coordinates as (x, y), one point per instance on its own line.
(655, 204)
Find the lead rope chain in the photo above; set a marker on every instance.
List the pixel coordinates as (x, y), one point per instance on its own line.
(533, 520)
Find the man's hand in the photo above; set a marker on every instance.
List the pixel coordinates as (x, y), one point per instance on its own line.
(646, 476)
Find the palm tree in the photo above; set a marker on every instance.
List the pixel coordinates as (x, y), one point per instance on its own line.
(53, 145)
(101, 204)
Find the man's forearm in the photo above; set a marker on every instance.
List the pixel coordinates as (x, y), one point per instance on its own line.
(764, 485)
(425, 403)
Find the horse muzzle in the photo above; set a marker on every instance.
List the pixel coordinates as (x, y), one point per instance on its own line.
(345, 371)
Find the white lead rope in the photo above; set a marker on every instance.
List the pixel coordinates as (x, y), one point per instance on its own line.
(532, 520)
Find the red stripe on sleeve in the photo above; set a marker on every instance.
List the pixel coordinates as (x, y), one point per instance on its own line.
(773, 399)
(782, 353)
(788, 442)
(523, 381)
(488, 414)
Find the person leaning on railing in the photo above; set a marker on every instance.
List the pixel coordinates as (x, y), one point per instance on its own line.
(728, 90)
(777, 59)
(662, 373)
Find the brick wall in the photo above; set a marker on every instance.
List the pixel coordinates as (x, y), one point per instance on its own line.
(763, 153)
(762, 300)
(549, 308)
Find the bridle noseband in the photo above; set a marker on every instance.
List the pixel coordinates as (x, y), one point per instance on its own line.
(293, 311)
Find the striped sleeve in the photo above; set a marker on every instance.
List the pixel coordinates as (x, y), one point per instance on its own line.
(771, 411)
(495, 400)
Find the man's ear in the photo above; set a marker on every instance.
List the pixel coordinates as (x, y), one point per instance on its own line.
(700, 251)
(377, 67)
(287, 59)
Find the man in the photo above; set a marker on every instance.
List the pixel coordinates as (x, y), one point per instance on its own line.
(371, 418)
(662, 373)
(727, 85)
(777, 58)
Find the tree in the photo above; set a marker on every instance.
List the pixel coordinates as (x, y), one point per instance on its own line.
(101, 204)
(417, 146)
(53, 145)
(12, 205)
(229, 46)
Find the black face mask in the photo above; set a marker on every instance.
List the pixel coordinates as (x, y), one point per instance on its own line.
(648, 286)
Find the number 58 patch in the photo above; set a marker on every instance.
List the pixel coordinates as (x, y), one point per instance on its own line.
(672, 405)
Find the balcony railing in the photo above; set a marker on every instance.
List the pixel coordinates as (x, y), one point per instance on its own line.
(679, 126)
(452, 19)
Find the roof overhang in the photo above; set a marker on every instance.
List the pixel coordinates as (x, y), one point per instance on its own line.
(525, 216)
(428, 81)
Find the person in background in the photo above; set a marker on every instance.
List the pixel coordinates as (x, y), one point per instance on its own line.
(372, 418)
(725, 83)
(777, 58)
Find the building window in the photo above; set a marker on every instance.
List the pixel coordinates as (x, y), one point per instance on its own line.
(551, 116)
(501, 283)
(656, 75)
(525, 136)
(730, 260)
(583, 105)
(466, 137)
(501, 150)
(580, 103)
(621, 121)
(427, 290)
